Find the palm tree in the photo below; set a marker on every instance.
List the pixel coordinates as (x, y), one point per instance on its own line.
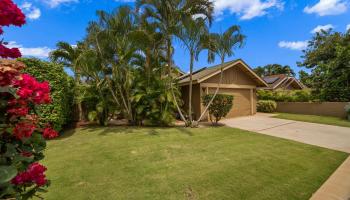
(151, 43)
(111, 37)
(223, 45)
(169, 14)
(68, 55)
(193, 34)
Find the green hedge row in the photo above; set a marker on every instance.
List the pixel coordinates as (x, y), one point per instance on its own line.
(286, 95)
(59, 113)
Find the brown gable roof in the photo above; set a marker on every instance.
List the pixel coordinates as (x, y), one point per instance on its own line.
(205, 73)
(281, 81)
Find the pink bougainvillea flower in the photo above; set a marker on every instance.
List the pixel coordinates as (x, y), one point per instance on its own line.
(34, 174)
(18, 111)
(50, 133)
(23, 130)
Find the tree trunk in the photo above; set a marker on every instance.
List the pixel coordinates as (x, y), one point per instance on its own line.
(216, 91)
(169, 57)
(148, 64)
(190, 90)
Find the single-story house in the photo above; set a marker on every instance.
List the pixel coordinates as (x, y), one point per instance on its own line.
(239, 80)
(282, 82)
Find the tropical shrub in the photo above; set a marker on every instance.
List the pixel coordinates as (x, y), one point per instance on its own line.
(98, 104)
(22, 133)
(153, 103)
(220, 107)
(59, 112)
(266, 106)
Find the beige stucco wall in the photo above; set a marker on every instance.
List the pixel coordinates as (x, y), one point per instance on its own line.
(241, 102)
(335, 109)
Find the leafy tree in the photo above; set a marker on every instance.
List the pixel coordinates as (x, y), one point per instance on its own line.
(305, 78)
(274, 69)
(328, 57)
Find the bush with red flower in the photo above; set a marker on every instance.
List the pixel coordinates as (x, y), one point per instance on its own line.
(22, 138)
(10, 14)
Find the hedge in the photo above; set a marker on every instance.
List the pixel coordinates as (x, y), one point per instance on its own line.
(286, 95)
(266, 106)
(59, 113)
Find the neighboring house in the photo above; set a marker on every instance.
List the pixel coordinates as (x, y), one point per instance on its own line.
(283, 82)
(239, 80)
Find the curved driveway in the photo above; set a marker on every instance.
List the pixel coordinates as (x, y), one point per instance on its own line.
(332, 137)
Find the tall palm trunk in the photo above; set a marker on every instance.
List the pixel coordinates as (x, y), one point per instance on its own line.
(79, 105)
(169, 57)
(216, 91)
(190, 90)
(148, 64)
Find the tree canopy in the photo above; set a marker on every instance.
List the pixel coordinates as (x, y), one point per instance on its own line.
(274, 69)
(328, 57)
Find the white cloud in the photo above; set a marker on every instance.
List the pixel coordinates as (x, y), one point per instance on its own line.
(40, 52)
(246, 9)
(298, 45)
(56, 3)
(328, 7)
(30, 11)
(322, 27)
(348, 27)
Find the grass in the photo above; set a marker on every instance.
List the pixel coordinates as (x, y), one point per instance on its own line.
(315, 119)
(176, 163)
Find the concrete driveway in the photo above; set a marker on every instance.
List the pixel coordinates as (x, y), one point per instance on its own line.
(332, 137)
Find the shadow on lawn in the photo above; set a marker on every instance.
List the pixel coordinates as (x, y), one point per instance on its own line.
(121, 129)
(66, 134)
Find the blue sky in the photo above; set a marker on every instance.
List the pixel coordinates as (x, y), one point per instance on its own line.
(276, 30)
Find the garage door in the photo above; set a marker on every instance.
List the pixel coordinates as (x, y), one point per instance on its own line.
(241, 102)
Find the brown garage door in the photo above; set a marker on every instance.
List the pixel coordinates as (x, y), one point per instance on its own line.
(241, 102)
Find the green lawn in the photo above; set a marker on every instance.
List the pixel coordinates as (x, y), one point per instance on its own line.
(315, 119)
(176, 163)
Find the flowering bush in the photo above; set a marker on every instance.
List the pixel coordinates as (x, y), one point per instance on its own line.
(22, 139)
(59, 112)
(10, 14)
